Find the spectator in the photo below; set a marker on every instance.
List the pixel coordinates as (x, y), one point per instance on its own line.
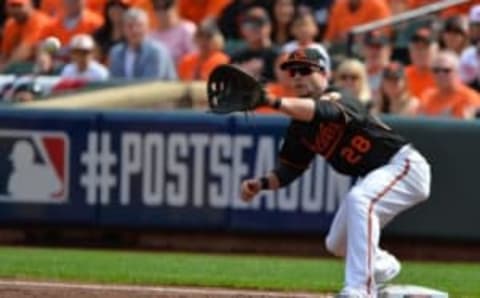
(199, 65)
(470, 58)
(83, 64)
(474, 24)
(199, 11)
(454, 36)
(351, 75)
(229, 20)
(422, 49)
(27, 91)
(449, 97)
(346, 14)
(320, 10)
(395, 98)
(111, 32)
(173, 31)
(139, 57)
(282, 12)
(45, 63)
(77, 19)
(259, 55)
(23, 29)
(304, 29)
(377, 52)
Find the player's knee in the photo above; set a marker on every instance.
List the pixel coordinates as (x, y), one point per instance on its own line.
(333, 246)
(424, 191)
(355, 200)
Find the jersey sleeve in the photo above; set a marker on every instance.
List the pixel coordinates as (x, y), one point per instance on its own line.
(294, 153)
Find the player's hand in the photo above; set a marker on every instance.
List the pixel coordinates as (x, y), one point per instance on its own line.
(249, 189)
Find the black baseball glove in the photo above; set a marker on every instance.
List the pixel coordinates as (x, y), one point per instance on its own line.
(231, 89)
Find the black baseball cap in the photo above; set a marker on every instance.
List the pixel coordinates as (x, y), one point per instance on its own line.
(394, 70)
(456, 24)
(376, 38)
(423, 34)
(308, 57)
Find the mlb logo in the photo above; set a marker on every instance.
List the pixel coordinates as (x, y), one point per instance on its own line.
(33, 166)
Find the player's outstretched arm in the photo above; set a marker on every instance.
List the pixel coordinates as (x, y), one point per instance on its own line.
(306, 109)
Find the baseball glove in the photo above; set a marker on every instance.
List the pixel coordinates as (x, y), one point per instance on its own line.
(230, 89)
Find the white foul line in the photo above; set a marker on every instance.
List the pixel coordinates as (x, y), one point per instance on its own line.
(157, 290)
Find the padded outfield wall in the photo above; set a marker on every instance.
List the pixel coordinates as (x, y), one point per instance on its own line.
(182, 170)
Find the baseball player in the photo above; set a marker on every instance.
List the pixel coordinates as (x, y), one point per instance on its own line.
(393, 174)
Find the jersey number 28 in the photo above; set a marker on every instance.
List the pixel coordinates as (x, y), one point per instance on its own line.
(354, 152)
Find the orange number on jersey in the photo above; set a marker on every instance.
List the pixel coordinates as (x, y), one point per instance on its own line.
(358, 146)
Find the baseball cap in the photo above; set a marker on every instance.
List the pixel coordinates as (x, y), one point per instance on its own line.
(307, 56)
(393, 70)
(376, 38)
(422, 34)
(456, 24)
(474, 14)
(82, 42)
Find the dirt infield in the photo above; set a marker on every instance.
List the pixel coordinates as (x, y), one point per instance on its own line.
(29, 289)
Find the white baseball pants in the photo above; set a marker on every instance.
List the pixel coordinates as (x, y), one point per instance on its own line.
(370, 205)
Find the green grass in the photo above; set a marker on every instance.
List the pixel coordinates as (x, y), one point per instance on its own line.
(276, 273)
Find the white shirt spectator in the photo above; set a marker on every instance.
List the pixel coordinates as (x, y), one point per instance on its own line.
(470, 65)
(95, 72)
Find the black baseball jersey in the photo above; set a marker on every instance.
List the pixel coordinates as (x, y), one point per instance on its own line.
(352, 140)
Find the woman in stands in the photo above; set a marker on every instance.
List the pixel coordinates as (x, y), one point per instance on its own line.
(111, 32)
(394, 97)
(351, 75)
(283, 12)
(454, 35)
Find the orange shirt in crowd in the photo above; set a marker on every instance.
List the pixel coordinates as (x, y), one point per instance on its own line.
(192, 68)
(55, 7)
(276, 89)
(88, 23)
(418, 80)
(341, 19)
(459, 103)
(28, 33)
(197, 10)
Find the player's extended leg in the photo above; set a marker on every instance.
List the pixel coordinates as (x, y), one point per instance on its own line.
(372, 203)
(386, 266)
(336, 240)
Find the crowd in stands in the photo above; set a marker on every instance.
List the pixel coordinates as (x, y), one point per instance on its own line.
(427, 66)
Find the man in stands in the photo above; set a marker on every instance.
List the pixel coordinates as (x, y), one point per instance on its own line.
(450, 97)
(422, 49)
(76, 19)
(140, 57)
(23, 29)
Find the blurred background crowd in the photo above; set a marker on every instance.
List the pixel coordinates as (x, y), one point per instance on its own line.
(428, 65)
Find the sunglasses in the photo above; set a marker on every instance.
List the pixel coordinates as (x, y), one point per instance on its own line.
(439, 70)
(303, 71)
(349, 77)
